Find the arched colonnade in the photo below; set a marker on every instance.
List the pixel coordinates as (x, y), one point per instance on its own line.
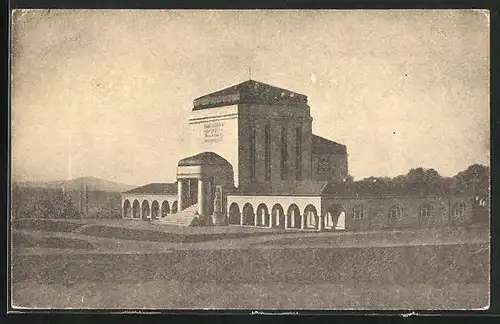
(282, 215)
(148, 208)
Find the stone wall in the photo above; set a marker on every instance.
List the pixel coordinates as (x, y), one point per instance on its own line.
(256, 117)
(216, 130)
(377, 209)
(329, 167)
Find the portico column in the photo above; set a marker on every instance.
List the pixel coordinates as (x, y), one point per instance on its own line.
(321, 225)
(286, 220)
(303, 221)
(201, 197)
(180, 202)
(241, 218)
(255, 219)
(270, 220)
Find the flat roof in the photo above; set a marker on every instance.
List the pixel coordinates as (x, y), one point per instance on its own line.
(248, 91)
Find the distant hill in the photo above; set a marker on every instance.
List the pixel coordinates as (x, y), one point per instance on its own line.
(93, 184)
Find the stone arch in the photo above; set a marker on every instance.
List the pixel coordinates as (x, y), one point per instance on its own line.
(145, 209)
(293, 216)
(262, 215)
(335, 217)
(136, 209)
(155, 210)
(248, 214)
(165, 208)
(127, 209)
(277, 216)
(174, 207)
(311, 216)
(234, 214)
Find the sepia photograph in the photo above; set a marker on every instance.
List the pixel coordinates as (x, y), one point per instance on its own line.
(250, 160)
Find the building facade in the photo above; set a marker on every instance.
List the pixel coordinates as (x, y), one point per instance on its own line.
(258, 163)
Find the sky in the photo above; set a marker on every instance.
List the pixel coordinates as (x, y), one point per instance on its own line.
(108, 93)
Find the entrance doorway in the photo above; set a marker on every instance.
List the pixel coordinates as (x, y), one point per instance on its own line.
(192, 192)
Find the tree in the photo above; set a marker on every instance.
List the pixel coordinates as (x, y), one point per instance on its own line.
(63, 205)
(43, 207)
(415, 175)
(431, 176)
(349, 179)
(476, 178)
(375, 184)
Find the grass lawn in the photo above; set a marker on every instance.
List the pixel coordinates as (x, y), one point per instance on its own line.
(121, 266)
(383, 238)
(151, 231)
(68, 225)
(23, 240)
(418, 277)
(154, 231)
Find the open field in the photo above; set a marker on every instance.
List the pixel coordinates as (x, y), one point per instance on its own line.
(247, 268)
(436, 264)
(152, 231)
(384, 238)
(369, 278)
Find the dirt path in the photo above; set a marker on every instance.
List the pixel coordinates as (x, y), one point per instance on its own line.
(278, 240)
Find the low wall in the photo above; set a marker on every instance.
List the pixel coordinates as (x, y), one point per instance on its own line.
(377, 210)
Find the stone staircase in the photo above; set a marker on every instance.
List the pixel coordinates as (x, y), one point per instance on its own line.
(182, 218)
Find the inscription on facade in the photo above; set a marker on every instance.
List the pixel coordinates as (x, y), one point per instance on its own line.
(213, 132)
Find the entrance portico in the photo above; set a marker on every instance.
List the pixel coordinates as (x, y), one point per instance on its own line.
(195, 189)
(197, 178)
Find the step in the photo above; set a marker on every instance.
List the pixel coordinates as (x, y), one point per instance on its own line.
(182, 218)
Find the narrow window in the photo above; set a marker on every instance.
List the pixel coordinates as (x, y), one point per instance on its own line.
(425, 211)
(358, 212)
(395, 212)
(284, 153)
(298, 153)
(252, 153)
(459, 210)
(267, 152)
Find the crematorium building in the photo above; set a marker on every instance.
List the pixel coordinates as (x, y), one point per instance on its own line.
(259, 164)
